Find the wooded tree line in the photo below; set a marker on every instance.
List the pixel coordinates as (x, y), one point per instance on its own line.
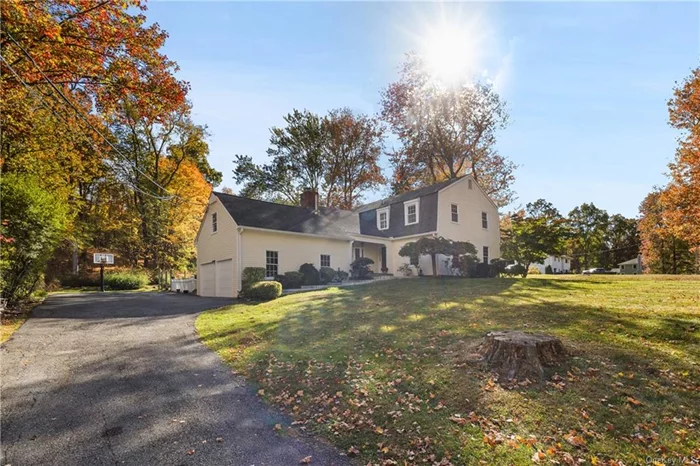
(98, 149)
(670, 216)
(443, 132)
(588, 235)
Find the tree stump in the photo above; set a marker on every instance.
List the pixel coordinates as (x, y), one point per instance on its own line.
(516, 355)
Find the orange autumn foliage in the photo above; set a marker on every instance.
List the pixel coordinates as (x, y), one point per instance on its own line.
(683, 191)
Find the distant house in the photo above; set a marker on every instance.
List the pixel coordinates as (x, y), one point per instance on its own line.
(238, 232)
(631, 267)
(560, 264)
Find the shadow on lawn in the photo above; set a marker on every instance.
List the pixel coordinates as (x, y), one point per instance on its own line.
(356, 321)
(417, 328)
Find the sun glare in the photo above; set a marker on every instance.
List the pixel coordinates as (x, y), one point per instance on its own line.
(451, 52)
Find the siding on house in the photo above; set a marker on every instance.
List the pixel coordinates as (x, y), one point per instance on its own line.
(218, 246)
(427, 219)
(471, 203)
(293, 250)
(560, 264)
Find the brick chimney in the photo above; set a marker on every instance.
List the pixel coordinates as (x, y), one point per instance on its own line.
(309, 199)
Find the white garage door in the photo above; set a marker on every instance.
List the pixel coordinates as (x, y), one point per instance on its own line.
(224, 278)
(207, 280)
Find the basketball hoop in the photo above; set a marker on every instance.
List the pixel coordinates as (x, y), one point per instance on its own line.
(102, 258)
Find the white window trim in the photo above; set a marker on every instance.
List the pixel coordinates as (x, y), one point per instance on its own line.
(320, 260)
(415, 202)
(214, 215)
(384, 210)
(272, 277)
(456, 205)
(487, 220)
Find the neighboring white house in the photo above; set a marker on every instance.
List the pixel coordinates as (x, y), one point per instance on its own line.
(238, 232)
(631, 267)
(560, 264)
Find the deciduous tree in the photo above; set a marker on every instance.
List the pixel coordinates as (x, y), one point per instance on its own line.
(533, 234)
(336, 155)
(682, 195)
(589, 226)
(433, 246)
(352, 152)
(446, 132)
(662, 251)
(33, 223)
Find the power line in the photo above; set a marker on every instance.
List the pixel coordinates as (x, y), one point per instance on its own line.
(78, 112)
(65, 120)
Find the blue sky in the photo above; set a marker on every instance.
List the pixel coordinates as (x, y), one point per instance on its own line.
(586, 83)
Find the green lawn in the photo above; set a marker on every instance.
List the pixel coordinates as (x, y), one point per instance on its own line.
(383, 371)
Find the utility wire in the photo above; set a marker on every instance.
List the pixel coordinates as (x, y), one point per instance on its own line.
(78, 112)
(62, 117)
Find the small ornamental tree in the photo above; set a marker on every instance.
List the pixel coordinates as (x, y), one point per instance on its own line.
(434, 245)
(533, 234)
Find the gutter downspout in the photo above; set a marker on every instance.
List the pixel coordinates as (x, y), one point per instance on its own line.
(239, 285)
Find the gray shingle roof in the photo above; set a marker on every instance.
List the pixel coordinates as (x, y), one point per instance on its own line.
(433, 188)
(330, 221)
(272, 216)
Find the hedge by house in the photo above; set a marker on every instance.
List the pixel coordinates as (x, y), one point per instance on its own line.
(328, 274)
(264, 291)
(311, 274)
(291, 280)
(252, 275)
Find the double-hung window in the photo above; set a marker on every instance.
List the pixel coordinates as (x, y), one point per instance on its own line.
(271, 264)
(484, 220)
(325, 260)
(383, 218)
(454, 212)
(485, 252)
(214, 226)
(411, 212)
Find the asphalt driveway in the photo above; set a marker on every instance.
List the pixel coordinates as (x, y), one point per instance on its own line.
(121, 379)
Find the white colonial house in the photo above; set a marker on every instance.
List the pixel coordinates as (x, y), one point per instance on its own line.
(238, 232)
(560, 264)
(631, 267)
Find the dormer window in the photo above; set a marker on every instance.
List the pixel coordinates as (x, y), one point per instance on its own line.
(383, 218)
(411, 212)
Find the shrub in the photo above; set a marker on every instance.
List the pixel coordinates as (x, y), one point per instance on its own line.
(533, 271)
(33, 223)
(252, 275)
(360, 268)
(405, 270)
(76, 280)
(311, 274)
(264, 291)
(479, 270)
(515, 270)
(342, 275)
(126, 280)
(291, 280)
(327, 274)
(463, 265)
(548, 270)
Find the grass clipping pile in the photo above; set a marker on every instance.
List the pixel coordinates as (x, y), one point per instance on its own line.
(519, 356)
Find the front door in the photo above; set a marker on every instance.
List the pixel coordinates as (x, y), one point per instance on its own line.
(358, 253)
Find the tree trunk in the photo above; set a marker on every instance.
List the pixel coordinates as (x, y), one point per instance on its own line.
(516, 355)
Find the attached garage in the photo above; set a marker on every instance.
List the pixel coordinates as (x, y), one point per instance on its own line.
(207, 279)
(224, 279)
